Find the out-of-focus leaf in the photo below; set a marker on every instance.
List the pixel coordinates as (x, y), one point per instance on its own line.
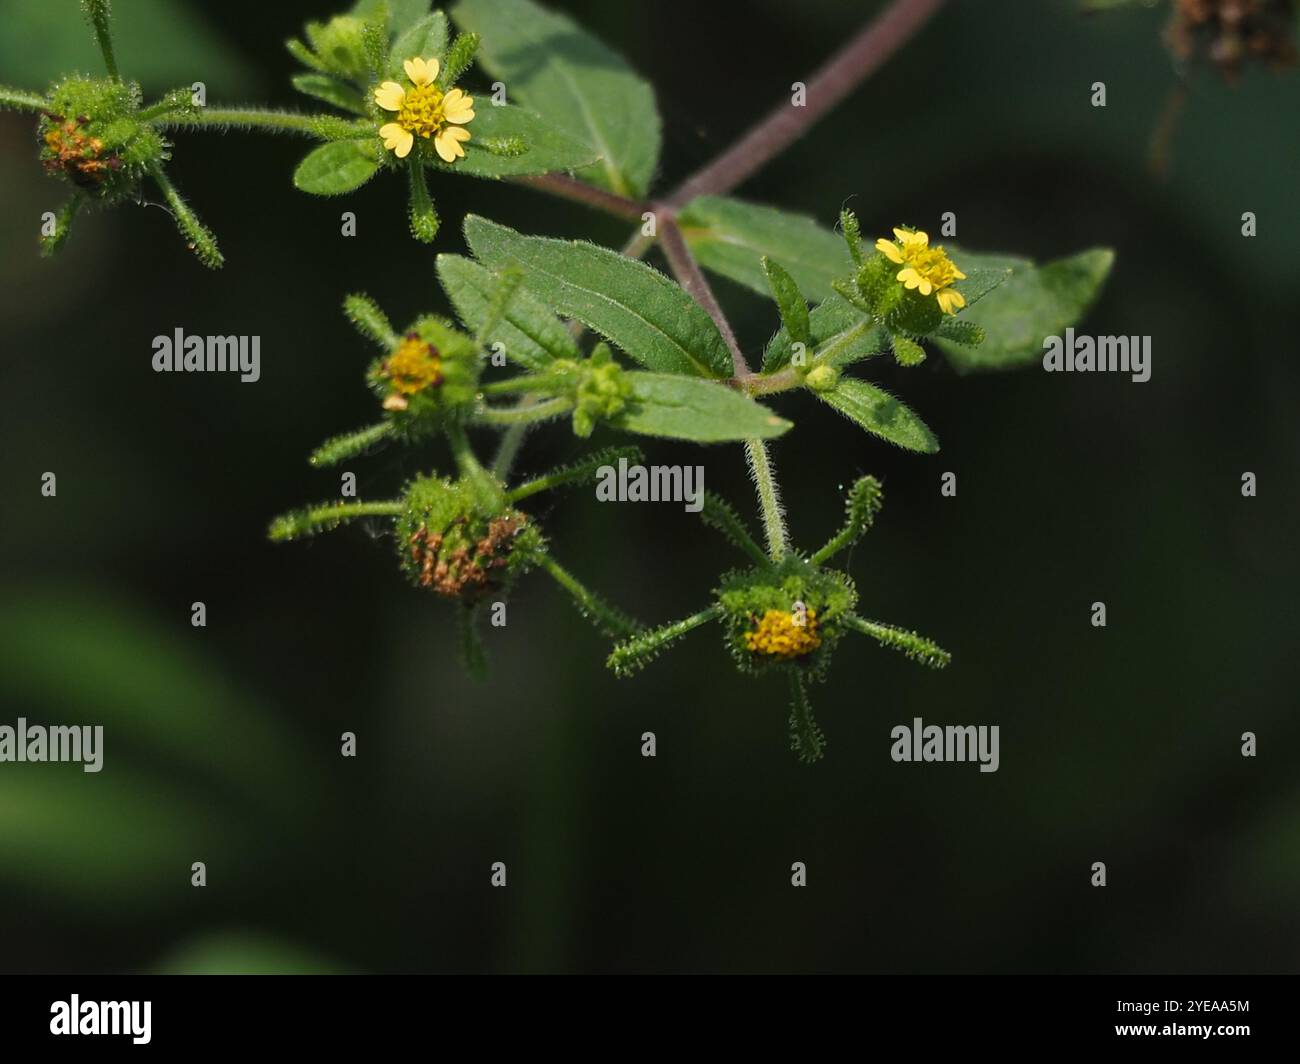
(159, 43)
(509, 141)
(841, 335)
(731, 237)
(1033, 303)
(581, 86)
(331, 90)
(242, 953)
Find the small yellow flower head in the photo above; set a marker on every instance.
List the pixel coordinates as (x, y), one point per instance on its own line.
(777, 635)
(927, 269)
(414, 366)
(424, 110)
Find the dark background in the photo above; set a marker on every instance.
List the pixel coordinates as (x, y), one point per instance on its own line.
(222, 744)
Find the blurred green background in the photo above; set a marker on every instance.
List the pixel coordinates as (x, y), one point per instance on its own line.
(222, 744)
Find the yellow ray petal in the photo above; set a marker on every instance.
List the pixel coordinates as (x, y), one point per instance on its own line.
(457, 107)
(447, 143)
(890, 250)
(396, 139)
(390, 95)
(950, 301)
(421, 71)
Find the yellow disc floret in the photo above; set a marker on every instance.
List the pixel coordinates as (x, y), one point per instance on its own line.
(424, 110)
(414, 366)
(926, 269)
(779, 634)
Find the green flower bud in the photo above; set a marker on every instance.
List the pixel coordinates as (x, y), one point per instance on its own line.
(463, 541)
(92, 137)
(428, 379)
(792, 613)
(339, 46)
(823, 378)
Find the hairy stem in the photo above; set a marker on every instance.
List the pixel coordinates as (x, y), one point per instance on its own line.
(246, 118)
(785, 124)
(20, 100)
(692, 278)
(520, 416)
(97, 12)
(604, 616)
(199, 237)
(466, 461)
(571, 188)
(769, 498)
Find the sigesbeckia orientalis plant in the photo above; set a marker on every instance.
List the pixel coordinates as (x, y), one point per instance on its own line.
(591, 338)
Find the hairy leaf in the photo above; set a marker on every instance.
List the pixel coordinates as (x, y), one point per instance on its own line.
(880, 414)
(841, 335)
(426, 38)
(337, 167)
(686, 408)
(627, 302)
(331, 90)
(731, 237)
(581, 86)
(531, 333)
(509, 141)
(1035, 302)
(794, 311)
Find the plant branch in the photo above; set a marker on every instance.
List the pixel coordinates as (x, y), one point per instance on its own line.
(571, 188)
(786, 123)
(20, 100)
(692, 278)
(247, 118)
(769, 499)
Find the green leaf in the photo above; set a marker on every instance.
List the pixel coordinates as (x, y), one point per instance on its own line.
(686, 408)
(794, 311)
(580, 85)
(627, 302)
(731, 237)
(401, 13)
(880, 414)
(533, 336)
(331, 90)
(337, 167)
(426, 38)
(1033, 303)
(510, 141)
(840, 335)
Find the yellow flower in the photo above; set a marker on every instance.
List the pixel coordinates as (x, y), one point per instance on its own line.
(414, 366)
(927, 269)
(779, 636)
(426, 111)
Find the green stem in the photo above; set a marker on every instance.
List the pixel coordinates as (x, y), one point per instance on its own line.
(583, 469)
(466, 461)
(533, 382)
(520, 416)
(637, 652)
(604, 616)
(769, 499)
(62, 224)
(97, 12)
(20, 100)
(201, 239)
(328, 515)
(249, 118)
